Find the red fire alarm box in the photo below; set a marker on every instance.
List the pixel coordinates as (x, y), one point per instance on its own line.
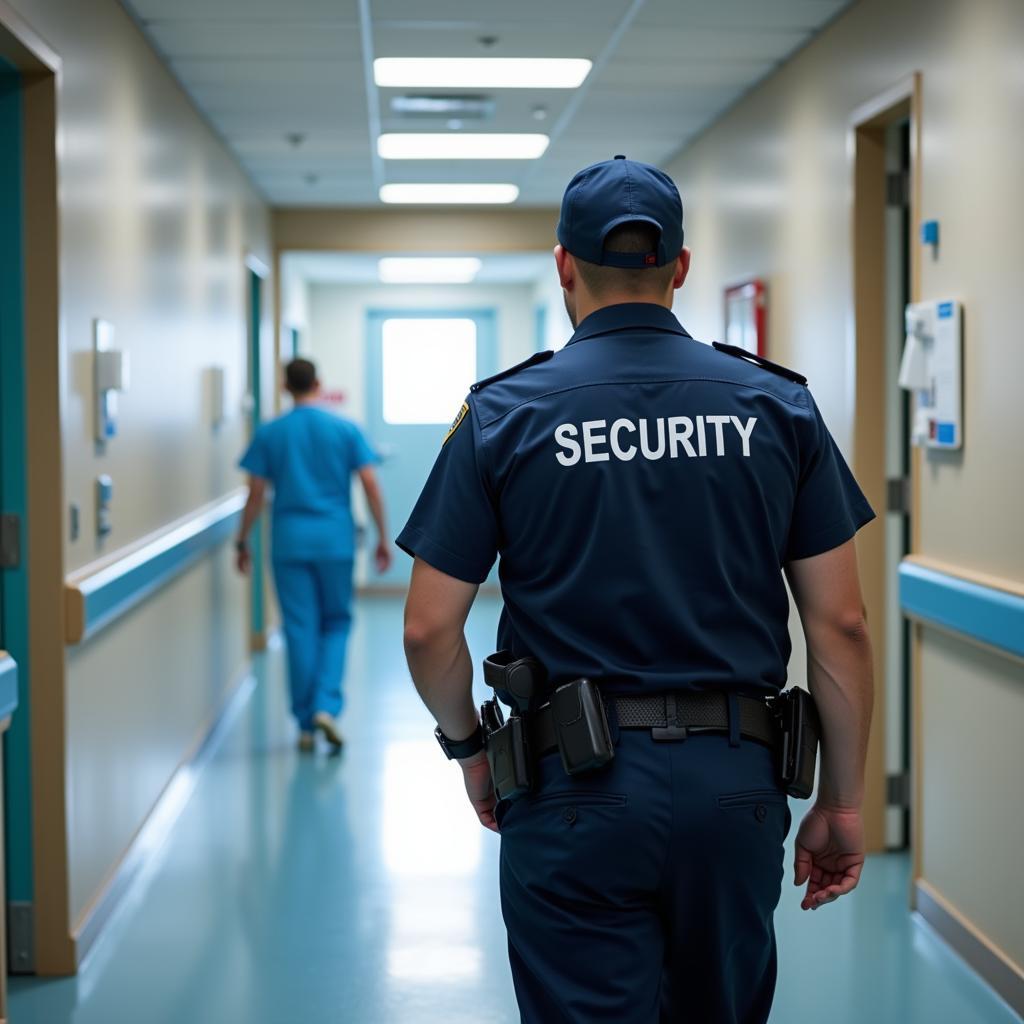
(745, 316)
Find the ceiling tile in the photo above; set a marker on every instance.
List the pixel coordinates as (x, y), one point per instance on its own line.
(245, 10)
(262, 72)
(231, 38)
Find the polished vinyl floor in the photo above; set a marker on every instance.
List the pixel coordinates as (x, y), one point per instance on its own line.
(359, 890)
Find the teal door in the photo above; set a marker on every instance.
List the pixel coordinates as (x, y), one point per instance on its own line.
(420, 364)
(257, 613)
(13, 571)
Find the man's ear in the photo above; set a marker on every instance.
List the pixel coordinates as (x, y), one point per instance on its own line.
(682, 268)
(566, 268)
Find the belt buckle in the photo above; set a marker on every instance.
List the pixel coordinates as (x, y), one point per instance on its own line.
(669, 733)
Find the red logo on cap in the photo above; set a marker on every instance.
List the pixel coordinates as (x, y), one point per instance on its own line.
(650, 259)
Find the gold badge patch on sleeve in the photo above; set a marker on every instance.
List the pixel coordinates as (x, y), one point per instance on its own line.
(456, 423)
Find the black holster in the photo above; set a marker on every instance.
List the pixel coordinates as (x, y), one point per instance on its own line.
(799, 736)
(507, 749)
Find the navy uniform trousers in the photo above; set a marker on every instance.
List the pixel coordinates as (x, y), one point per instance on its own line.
(644, 892)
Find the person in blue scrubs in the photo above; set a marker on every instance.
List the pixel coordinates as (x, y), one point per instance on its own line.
(647, 496)
(308, 456)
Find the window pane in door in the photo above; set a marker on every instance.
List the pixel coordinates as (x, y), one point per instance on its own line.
(428, 365)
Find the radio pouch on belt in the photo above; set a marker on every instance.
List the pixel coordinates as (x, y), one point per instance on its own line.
(507, 755)
(800, 730)
(581, 727)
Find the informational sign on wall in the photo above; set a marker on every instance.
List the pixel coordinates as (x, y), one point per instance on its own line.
(932, 368)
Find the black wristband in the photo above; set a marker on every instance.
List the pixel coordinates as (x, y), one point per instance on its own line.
(241, 545)
(458, 749)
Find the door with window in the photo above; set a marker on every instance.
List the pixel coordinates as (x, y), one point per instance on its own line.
(420, 365)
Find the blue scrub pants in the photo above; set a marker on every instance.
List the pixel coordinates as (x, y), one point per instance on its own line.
(644, 893)
(316, 605)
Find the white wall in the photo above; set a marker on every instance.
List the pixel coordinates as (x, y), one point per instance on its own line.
(337, 326)
(547, 294)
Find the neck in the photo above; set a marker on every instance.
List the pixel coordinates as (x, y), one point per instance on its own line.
(587, 304)
(307, 399)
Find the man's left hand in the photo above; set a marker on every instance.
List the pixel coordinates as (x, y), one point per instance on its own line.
(476, 774)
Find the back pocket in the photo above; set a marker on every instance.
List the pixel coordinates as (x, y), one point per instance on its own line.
(752, 797)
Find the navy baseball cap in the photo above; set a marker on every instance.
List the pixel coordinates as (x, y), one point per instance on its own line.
(620, 191)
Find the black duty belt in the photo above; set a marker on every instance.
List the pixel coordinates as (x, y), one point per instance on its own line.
(670, 716)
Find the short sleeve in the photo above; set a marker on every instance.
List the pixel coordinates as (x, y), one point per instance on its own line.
(453, 526)
(830, 507)
(256, 459)
(362, 451)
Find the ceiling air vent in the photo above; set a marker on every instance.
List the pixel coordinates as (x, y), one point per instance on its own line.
(462, 108)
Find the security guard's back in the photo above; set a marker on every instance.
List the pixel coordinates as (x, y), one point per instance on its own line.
(644, 492)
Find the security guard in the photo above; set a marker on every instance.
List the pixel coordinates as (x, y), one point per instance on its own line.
(309, 457)
(647, 494)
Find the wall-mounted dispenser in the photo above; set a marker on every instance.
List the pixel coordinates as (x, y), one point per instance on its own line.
(932, 368)
(104, 495)
(110, 375)
(216, 378)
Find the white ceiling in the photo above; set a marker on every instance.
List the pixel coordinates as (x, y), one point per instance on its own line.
(361, 268)
(262, 70)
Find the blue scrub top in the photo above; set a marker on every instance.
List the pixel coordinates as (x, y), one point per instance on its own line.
(643, 491)
(309, 456)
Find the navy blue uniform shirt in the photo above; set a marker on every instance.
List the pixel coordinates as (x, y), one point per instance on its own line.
(643, 491)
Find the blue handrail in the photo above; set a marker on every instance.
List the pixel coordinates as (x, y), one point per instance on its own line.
(8, 685)
(987, 614)
(95, 598)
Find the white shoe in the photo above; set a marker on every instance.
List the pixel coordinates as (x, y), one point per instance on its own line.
(307, 742)
(327, 725)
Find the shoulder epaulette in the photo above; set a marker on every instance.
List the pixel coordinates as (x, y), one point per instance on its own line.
(537, 357)
(765, 364)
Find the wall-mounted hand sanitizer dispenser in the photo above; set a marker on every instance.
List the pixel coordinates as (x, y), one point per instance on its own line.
(932, 368)
(110, 375)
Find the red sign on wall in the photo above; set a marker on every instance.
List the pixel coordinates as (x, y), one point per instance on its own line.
(745, 316)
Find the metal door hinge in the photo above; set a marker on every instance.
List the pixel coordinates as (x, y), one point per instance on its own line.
(21, 935)
(897, 188)
(897, 495)
(898, 790)
(10, 541)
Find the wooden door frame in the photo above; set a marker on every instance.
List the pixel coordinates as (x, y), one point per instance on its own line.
(867, 149)
(40, 70)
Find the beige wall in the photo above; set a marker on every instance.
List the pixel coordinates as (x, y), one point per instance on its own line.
(155, 223)
(768, 192)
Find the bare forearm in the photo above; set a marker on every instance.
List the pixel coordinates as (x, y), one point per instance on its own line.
(442, 671)
(839, 674)
(251, 512)
(376, 505)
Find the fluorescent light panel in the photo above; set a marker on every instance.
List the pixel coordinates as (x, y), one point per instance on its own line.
(460, 146)
(451, 195)
(480, 72)
(428, 269)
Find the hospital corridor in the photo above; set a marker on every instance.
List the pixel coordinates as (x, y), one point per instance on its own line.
(511, 512)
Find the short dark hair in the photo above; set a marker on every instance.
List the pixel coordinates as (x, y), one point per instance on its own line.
(300, 376)
(633, 236)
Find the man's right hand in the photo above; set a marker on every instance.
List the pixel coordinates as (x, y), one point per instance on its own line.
(242, 559)
(829, 854)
